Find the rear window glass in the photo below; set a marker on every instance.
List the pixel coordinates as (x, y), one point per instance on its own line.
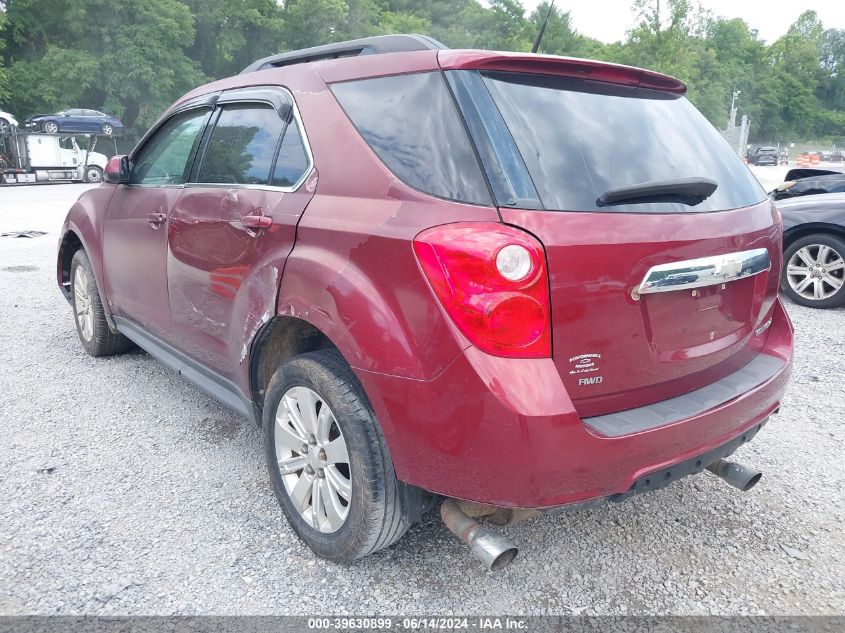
(579, 138)
(412, 124)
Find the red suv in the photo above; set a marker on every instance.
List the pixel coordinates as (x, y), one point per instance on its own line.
(518, 281)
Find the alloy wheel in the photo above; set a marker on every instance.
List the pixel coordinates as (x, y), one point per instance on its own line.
(313, 460)
(51, 128)
(82, 303)
(816, 272)
(107, 129)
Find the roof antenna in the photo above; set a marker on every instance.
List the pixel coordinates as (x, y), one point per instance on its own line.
(539, 39)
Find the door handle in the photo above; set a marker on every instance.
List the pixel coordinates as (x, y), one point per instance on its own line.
(257, 221)
(156, 219)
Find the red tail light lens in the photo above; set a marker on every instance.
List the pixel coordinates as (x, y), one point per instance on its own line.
(493, 283)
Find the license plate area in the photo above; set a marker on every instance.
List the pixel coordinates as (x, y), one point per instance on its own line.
(691, 323)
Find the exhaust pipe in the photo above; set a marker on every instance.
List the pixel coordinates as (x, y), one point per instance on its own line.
(736, 475)
(491, 548)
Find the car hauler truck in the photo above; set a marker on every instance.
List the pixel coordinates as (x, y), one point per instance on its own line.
(27, 157)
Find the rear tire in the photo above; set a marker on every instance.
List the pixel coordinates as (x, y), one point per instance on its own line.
(813, 266)
(94, 333)
(107, 129)
(373, 513)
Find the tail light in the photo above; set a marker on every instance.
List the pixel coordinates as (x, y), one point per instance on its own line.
(492, 281)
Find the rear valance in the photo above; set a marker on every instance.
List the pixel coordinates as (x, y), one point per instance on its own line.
(560, 66)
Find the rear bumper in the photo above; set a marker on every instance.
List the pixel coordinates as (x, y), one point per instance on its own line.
(504, 431)
(656, 480)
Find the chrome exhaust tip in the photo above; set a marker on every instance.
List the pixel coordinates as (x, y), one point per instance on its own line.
(488, 546)
(736, 475)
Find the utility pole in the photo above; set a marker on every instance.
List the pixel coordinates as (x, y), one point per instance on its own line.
(732, 117)
(741, 146)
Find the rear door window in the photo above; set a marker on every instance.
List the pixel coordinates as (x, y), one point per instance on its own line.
(579, 139)
(242, 145)
(412, 124)
(292, 162)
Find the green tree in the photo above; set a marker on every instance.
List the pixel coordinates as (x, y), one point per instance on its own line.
(126, 58)
(560, 38)
(313, 22)
(231, 35)
(4, 72)
(135, 58)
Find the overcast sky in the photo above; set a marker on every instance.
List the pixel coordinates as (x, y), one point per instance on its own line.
(607, 20)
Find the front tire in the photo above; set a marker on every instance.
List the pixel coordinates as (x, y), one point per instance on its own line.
(5, 126)
(814, 271)
(107, 129)
(94, 333)
(51, 127)
(93, 174)
(327, 459)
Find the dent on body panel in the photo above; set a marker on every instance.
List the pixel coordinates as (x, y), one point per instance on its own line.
(208, 259)
(258, 301)
(327, 287)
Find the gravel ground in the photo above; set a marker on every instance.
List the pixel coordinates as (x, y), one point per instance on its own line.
(127, 491)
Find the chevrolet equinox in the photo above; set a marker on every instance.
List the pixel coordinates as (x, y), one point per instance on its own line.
(511, 282)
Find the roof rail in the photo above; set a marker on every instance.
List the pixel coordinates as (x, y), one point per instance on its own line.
(365, 46)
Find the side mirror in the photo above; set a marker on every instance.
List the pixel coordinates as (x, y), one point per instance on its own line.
(117, 170)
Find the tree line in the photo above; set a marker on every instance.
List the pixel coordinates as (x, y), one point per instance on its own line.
(132, 59)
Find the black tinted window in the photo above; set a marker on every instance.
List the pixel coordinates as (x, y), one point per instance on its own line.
(242, 146)
(580, 138)
(163, 160)
(411, 122)
(292, 161)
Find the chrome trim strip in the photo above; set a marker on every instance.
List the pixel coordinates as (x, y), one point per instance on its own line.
(705, 271)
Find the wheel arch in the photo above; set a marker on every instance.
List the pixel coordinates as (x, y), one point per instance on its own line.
(280, 339)
(68, 246)
(83, 228)
(284, 337)
(810, 228)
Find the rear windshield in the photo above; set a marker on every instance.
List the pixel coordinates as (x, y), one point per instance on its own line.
(579, 139)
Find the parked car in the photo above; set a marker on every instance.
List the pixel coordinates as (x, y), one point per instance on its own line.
(370, 256)
(763, 156)
(803, 182)
(7, 122)
(814, 245)
(77, 120)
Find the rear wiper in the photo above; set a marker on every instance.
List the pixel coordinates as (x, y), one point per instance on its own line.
(681, 189)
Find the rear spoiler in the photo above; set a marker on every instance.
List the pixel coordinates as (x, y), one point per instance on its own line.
(560, 66)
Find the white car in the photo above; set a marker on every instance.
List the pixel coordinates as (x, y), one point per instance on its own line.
(7, 122)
